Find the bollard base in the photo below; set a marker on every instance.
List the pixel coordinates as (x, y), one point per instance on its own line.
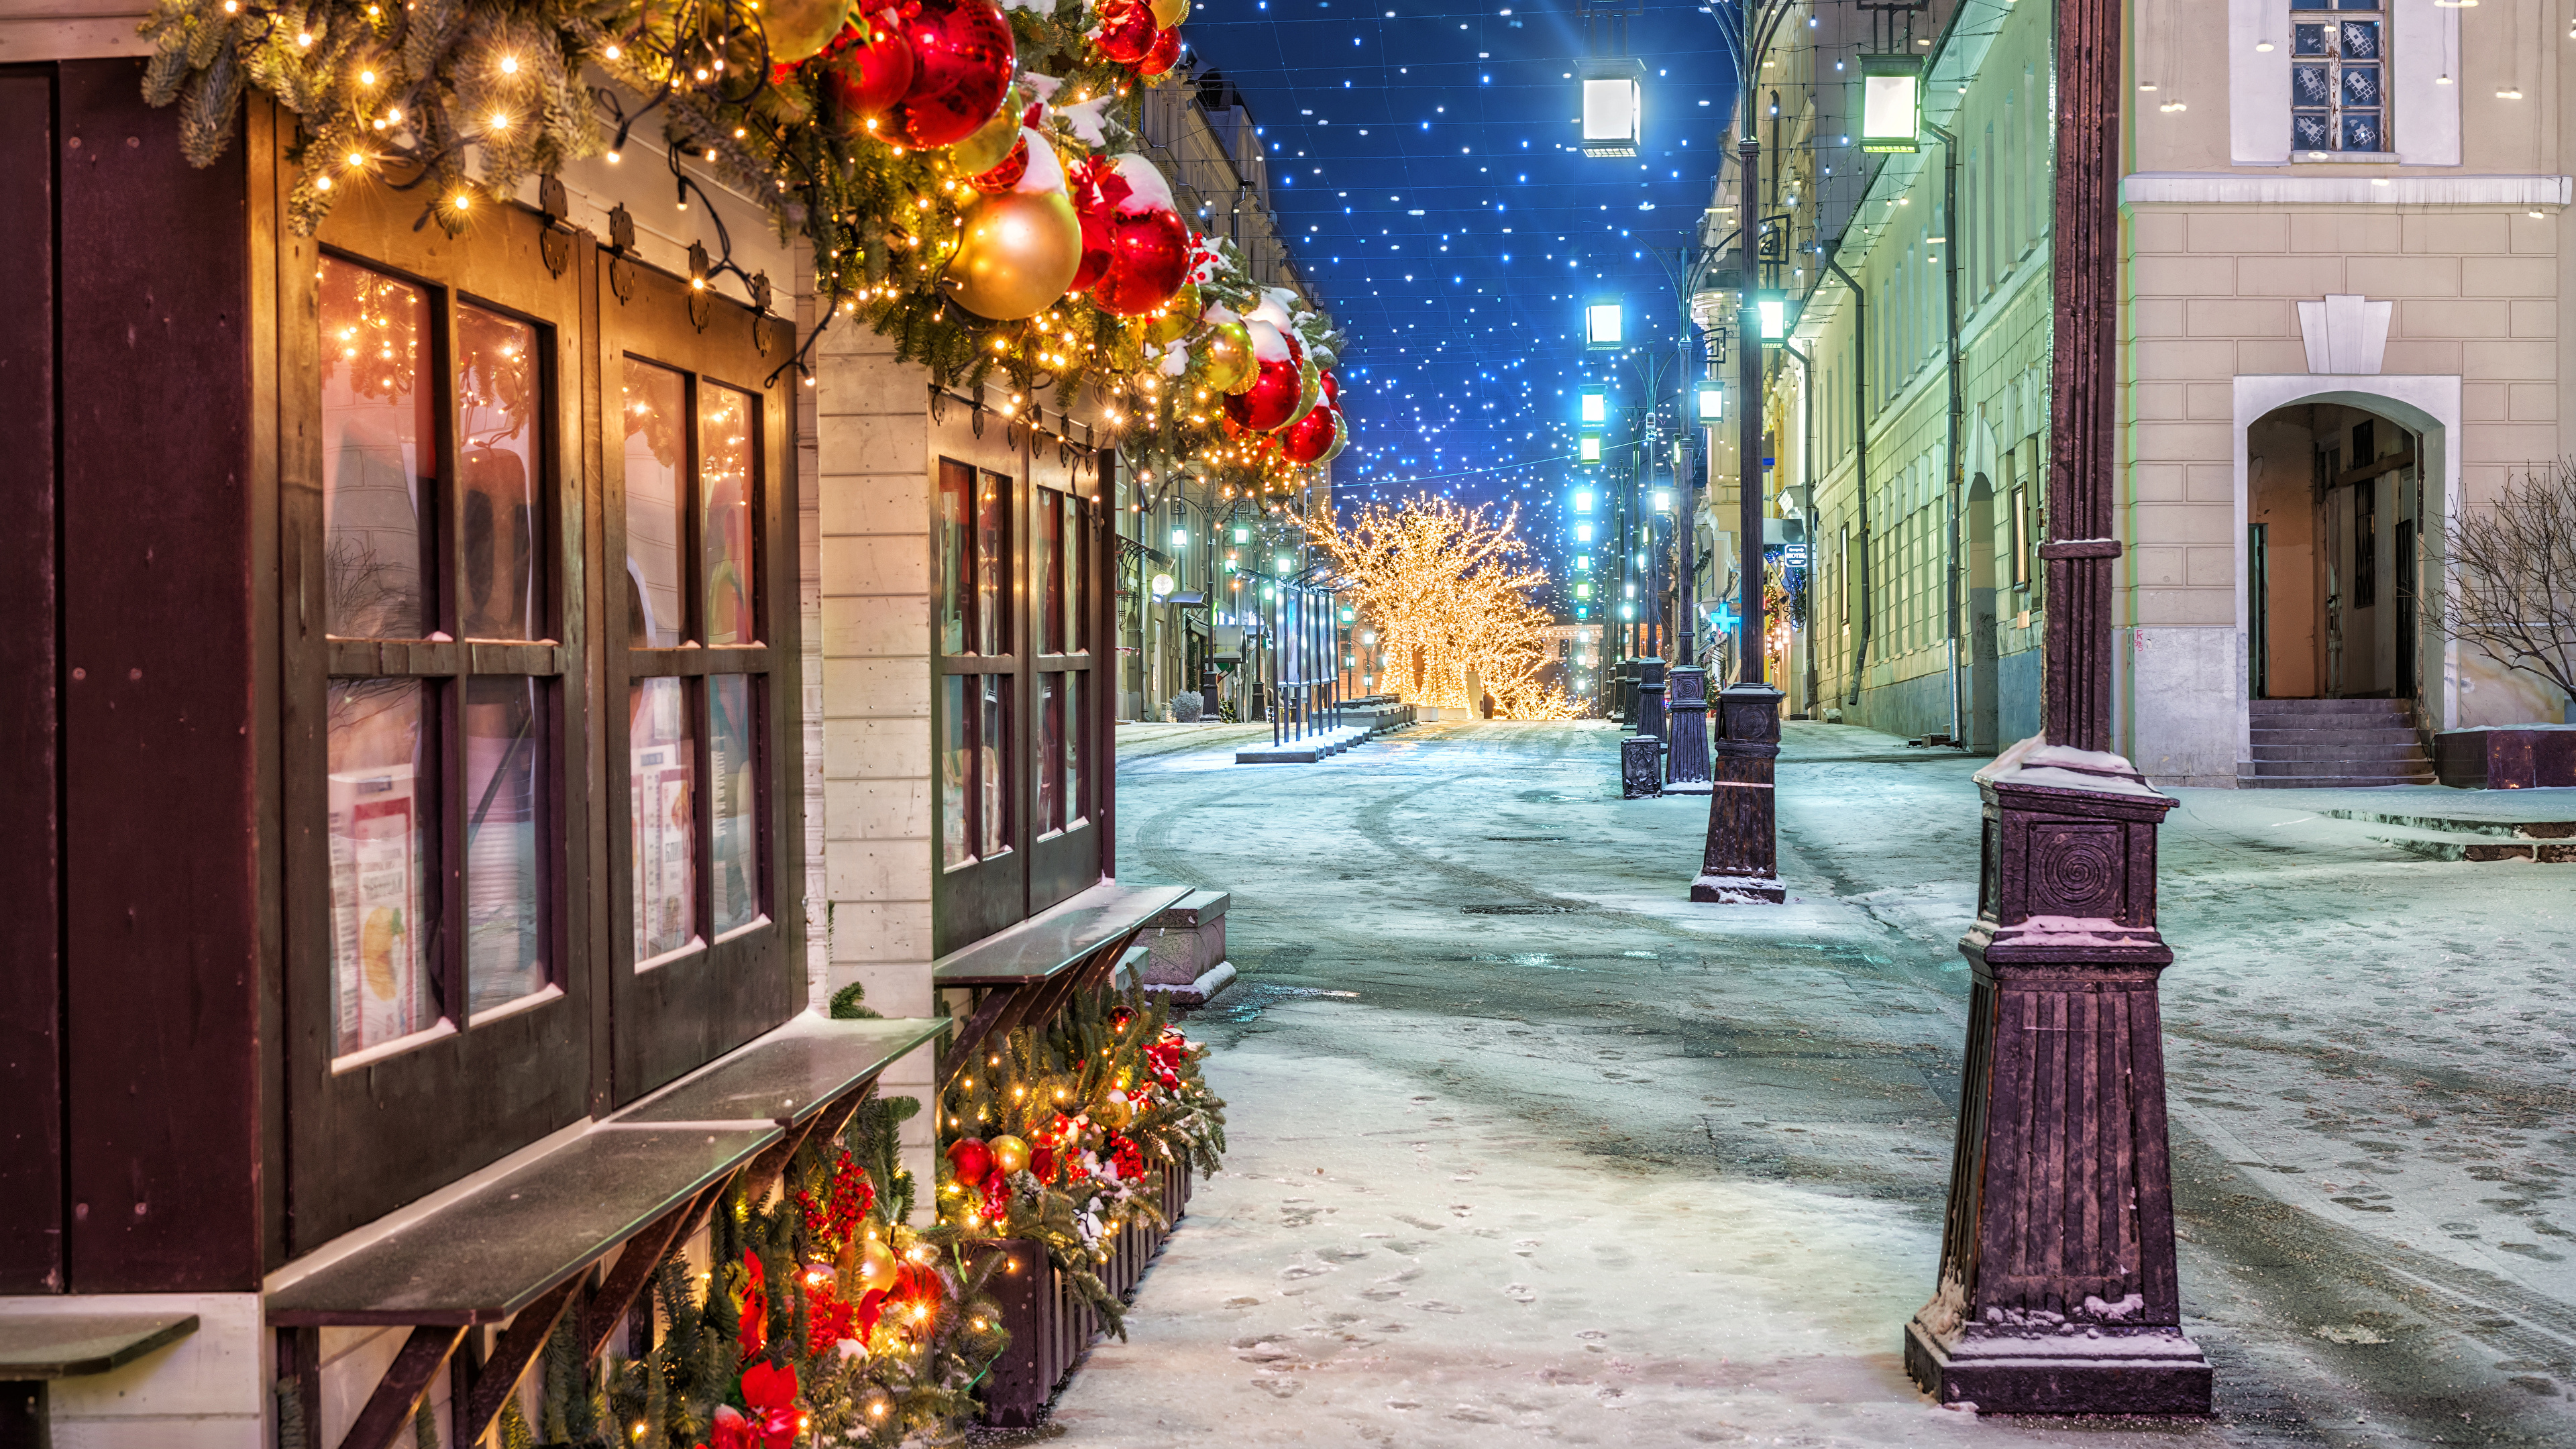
(1641, 767)
(2097, 1371)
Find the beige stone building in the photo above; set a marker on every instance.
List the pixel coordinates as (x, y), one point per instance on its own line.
(2345, 249)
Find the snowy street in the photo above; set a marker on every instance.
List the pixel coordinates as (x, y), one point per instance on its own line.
(1528, 1149)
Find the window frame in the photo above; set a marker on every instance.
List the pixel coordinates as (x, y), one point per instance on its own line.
(374, 1129)
(1039, 867)
(677, 1011)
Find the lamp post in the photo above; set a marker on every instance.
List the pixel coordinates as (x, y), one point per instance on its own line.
(2058, 1290)
(1740, 863)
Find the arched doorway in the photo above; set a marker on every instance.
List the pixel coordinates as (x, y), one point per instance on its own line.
(2335, 511)
(1984, 693)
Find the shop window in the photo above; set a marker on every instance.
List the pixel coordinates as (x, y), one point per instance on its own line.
(447, 748)
(531, 807)
(1016, 545)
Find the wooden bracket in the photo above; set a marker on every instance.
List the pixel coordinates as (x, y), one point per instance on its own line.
(636, 1266)
(500, 1374)
(389, 1409)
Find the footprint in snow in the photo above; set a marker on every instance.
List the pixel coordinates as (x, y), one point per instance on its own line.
(1280, 1388)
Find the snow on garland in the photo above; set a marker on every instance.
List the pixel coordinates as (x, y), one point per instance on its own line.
(962, 173)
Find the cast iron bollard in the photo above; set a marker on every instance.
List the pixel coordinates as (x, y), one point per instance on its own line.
(1650, 698)
(2058, 1291)
(1686, 705)
(1742, 862)
(1641, 767)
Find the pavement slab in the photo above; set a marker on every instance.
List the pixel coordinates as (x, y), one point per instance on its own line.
(1526, 1148)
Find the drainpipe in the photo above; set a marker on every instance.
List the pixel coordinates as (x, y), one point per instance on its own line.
(1807, 508)
(1950, 314)
(1860, 471)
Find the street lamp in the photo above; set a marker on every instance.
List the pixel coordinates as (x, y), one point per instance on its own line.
(1614, 106)
(1891, 103)
(1601, 326)
(1583, 500)
(1712, 402)
(1777, 317)
(1587, 448)
(1180, 538)
(1162, 585)
(1596, 401)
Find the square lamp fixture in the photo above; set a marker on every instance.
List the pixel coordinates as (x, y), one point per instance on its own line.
(1663, 500)
(1601, 326)
(1891, 103)
(1587, 448)
(1614, 105)
(1180, 538)
(1242, 534)
(1583, 500)
(1596, 403)
(1712, 403)
(1773, 312)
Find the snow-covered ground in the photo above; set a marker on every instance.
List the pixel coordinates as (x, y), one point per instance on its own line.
(1527, 1148)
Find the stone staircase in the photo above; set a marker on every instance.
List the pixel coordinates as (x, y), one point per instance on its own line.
(2334, 743)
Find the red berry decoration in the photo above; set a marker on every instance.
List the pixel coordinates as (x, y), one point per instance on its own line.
(963, 60)
(1148, 243)
(1127, 31)
(1276, 392)
(971, 1158)
(1309, 438)
(1166, 50)
(868, 70)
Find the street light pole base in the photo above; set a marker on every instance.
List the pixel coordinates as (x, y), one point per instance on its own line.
(1738, 890)
(2064, 1368)
(1741, 865)
(2058, 1291)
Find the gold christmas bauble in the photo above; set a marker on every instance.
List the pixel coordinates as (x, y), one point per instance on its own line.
(1178, 317)
(878, 1267)
(1231, 367)
(1113, 1112)
(799, 29)
(990, 145)
(1010, 1154)
(1018, 256)
(1168, 13)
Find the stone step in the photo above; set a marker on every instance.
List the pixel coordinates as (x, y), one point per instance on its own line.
(2331, 708)
(2405, 754)
(2316, 768)
(2357, 734)
(2330, 782)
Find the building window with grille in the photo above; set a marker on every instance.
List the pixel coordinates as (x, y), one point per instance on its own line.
(2338, 75)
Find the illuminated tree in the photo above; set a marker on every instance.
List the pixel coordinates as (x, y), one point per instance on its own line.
(1450, 600)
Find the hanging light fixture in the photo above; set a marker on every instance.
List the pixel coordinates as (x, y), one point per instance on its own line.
(1891, 103)
(1614, 106)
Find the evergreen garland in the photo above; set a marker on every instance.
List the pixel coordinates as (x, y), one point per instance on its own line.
(461, 100)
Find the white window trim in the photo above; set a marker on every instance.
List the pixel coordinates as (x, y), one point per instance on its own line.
(2426, 115)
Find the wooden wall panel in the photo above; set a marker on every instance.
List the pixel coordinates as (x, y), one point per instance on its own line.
(159, 725)
(31, 1103)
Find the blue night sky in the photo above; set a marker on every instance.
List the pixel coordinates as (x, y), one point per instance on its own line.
(1425, 159)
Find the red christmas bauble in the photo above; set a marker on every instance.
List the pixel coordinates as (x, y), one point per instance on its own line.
(971, 1158)
(963, 60)
(1007, 175)
(1332, 390)
(867, 72)
(1309, 438)
(1089, 181)
(1276, 391)
(1167, 49)
(1149, 254)
(1127, 31)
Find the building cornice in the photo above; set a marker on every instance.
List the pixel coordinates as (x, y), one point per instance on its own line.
(2238, 188)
